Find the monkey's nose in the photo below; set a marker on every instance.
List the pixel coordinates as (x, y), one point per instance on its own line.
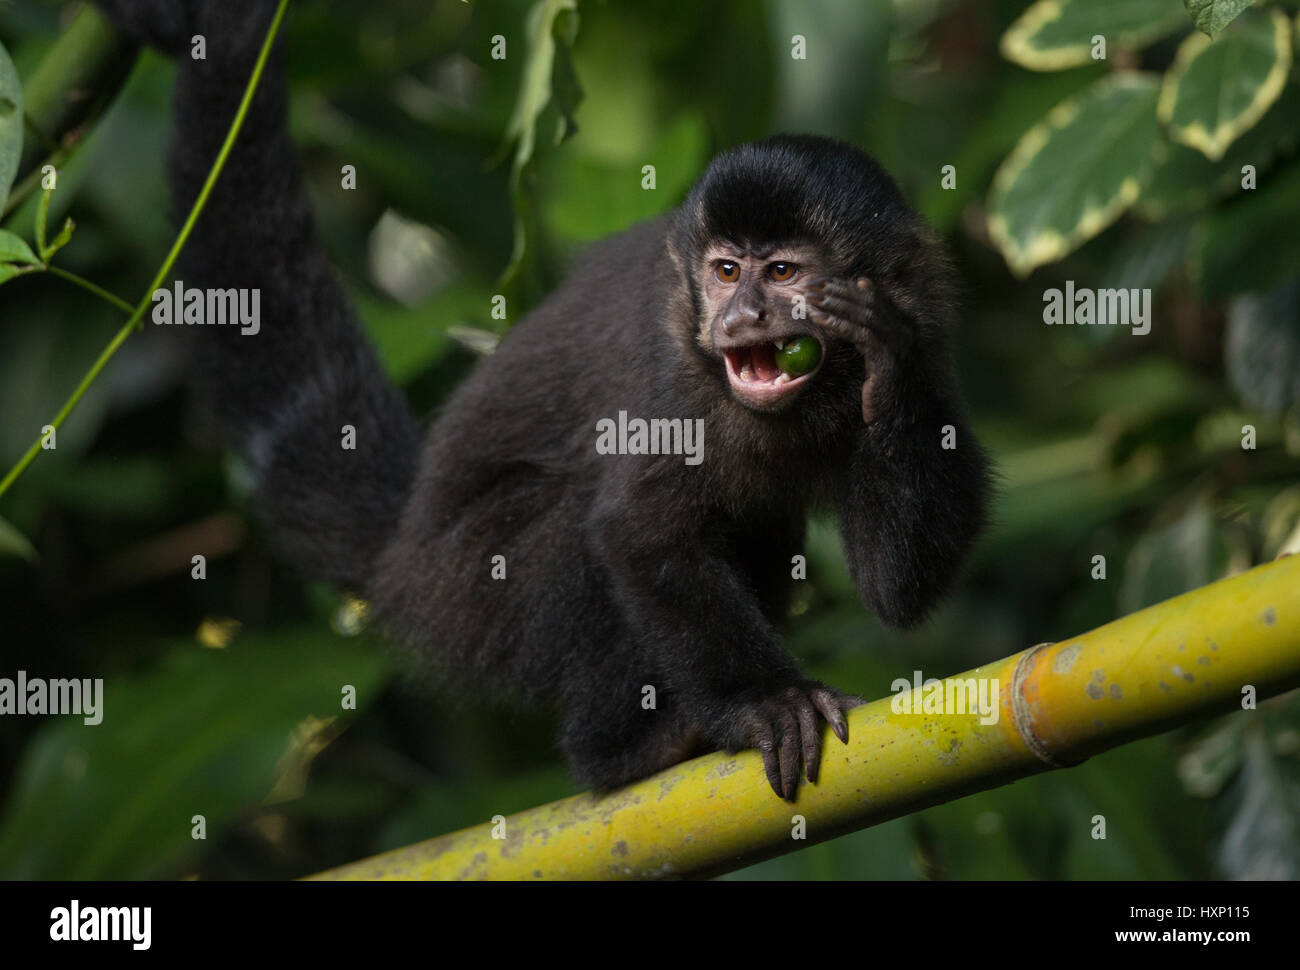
(741, 320)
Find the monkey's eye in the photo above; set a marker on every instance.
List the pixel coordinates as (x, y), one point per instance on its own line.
(781, 272)
(727, 271)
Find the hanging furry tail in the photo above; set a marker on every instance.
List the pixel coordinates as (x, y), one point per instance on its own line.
(304, 399)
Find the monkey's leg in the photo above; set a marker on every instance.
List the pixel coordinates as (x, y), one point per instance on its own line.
(616, 731)
(697, 618)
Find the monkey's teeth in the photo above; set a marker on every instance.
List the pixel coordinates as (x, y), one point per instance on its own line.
(746, 373)
(780, 344)
(782, 379)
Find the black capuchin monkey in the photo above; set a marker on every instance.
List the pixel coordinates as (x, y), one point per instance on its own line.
(622, 571)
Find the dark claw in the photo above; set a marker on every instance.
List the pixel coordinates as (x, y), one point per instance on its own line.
(831, 704)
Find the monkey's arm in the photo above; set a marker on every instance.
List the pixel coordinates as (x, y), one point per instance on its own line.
(701, 627)
(916, 489)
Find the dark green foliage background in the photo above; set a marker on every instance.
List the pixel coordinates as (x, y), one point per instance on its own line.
(1107, 444)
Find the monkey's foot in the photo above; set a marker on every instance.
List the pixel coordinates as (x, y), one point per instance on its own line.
(785, 729)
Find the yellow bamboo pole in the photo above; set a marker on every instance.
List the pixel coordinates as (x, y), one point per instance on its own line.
(1056, 705)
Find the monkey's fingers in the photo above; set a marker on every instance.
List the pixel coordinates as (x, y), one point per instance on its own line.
(790, 751)
(836, 326)
(786, 730)
(868, 337)
(830, 703)
(861, 288)
(853, 302)
(767, 747)
(855, 314)
(812, 749)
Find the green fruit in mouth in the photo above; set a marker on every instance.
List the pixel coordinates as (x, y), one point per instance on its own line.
(799, 356)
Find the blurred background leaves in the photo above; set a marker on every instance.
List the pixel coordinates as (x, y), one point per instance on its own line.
(1108, 444)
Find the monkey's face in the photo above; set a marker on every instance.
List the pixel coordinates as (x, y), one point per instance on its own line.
(753, 309)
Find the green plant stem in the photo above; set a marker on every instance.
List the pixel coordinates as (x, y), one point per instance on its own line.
(32, 180)
(137, 315)
(85, 284)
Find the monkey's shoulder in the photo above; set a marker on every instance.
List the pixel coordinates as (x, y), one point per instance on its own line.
(612, 286)
(600, 333)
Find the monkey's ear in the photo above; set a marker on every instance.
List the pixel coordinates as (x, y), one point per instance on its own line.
(925, 287)
(675, 255)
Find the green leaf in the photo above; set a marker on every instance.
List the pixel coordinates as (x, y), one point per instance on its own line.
(566, 90)
(541, 67)
(1150, 834)
(11, 124)
(589, 198)
(1144, 260)
(1216, 91)
(42, 215)
(1186, 179)
(1262, 348)
(1169, 561)
(1211, 16)
(9, 271)
(1212, 759)
(14, 543)
(42, 218)
(979, 837)
(1056, 34)
(1041, 827)
(1262, 841)
(408, 343)
(475, 339)
(539, 71)
(1279, 526)
(59, 241)
(1251, 243)
(1075, 173)
(16, 257)
(14, 250)
(206, 732)
(1017, 105)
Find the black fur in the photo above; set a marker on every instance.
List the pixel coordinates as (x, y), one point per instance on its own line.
(284, 394)
(621, 571)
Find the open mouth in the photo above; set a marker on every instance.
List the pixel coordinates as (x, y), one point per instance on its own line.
(756, 376)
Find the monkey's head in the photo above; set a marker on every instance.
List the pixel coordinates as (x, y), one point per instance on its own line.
(766, 219)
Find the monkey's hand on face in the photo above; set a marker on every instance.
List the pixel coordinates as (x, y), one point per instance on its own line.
(857, 313)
